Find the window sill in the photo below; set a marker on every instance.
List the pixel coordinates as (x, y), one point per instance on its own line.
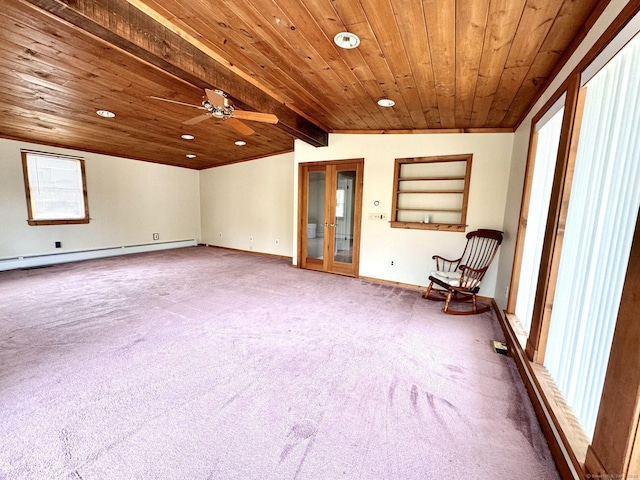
(58, 222)
(566, 438)
(445, 227)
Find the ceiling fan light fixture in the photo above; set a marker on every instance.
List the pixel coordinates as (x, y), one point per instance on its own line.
(240, 143)
(190, 155)
(186, 136)
(346, 40)
(386, 102)
(105, 113)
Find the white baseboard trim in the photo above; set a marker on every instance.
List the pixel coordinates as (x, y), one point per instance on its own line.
(31, 261)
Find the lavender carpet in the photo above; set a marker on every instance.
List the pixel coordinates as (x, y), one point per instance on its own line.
(202, 363)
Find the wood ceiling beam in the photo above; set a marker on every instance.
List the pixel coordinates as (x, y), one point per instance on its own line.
(122, 25)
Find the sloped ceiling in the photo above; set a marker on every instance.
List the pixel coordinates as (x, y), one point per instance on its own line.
(449, 65)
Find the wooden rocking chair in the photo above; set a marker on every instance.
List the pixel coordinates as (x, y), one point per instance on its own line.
(460, 279)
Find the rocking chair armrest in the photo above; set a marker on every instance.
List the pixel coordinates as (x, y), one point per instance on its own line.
(438, 257)
(470, 278)
(466, 270)
(446, 265)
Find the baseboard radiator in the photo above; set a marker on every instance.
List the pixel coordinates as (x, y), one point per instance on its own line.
(32, 261)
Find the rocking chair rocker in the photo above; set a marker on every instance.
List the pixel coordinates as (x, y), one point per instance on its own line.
(459, 280)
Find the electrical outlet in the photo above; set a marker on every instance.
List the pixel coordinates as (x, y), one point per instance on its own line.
(220, 234)
(277, 242)
(377, 216)
(392, 263)
(58, 244)
(156, 236)
(251, 238)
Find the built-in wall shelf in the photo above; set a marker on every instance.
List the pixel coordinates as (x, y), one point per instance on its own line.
(431, 193)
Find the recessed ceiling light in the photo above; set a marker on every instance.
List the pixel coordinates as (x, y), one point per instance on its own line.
(346, 40)
(386, 102)
(191, 155)
(106, 113)
(240, 143)
(186, 136)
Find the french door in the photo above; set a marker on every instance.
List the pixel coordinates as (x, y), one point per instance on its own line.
(330, 204)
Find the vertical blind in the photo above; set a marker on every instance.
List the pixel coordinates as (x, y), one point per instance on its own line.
(543, 169)
(602, 214)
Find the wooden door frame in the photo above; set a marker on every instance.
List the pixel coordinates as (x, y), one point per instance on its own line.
(358, 164)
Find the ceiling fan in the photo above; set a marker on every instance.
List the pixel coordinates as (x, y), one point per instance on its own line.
(217, 105)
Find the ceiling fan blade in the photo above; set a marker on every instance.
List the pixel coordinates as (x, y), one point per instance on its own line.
(179, 103)
(215, 99)
(239, 126)
(255, 116)
(198, 119)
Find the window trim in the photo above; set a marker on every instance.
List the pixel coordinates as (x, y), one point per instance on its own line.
(63, 221)
(449, 227)
(574, 454)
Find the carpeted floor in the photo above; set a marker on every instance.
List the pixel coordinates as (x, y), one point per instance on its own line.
(202, 363)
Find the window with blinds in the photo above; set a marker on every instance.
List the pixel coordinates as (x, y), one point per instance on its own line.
(601, 218)
(547, 140)
(56, 189)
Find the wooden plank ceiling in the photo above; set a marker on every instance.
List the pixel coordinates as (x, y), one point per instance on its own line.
(449, 65)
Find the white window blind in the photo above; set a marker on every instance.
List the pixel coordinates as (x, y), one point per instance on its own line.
(543, 170)
(602, 214)
(55, 187)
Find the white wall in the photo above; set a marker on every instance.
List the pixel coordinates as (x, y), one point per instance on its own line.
(129, 200)
(411, 250)
(259, 199)
(249, 199)
(521, 145)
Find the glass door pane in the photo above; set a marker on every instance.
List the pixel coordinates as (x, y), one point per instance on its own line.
(344, 216)
(315, 214)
